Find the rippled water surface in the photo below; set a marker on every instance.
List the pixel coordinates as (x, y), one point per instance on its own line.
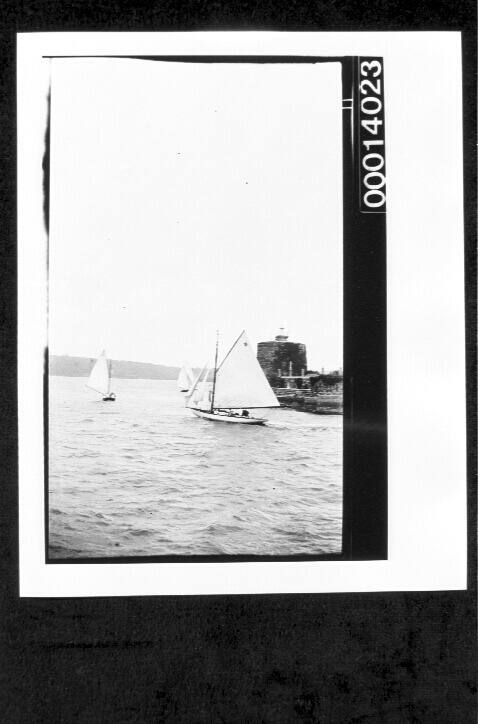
(143, 476)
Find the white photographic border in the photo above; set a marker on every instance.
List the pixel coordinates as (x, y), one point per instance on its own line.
(427, 520)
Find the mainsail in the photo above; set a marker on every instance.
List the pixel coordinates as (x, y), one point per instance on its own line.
(99, 379)
(240, 381)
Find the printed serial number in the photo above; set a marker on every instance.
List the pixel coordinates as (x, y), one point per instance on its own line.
(372, 140)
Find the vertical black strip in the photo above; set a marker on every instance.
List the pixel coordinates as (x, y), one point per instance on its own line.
(46, 215)
(46, 168)
(470, 283)
(365, 353)
(45, 449)
(348, 196)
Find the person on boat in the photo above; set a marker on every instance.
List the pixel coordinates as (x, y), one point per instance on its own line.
(245, 413)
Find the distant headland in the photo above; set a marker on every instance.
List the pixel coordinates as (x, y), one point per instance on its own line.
(66, 366)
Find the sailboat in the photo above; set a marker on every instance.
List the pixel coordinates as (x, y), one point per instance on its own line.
(199, 394)
(185, 378)
(100, 378)
(239, 384)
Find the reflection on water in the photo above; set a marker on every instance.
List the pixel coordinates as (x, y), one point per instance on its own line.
(144, 476)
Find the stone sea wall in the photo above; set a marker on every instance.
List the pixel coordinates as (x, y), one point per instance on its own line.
(323, 403)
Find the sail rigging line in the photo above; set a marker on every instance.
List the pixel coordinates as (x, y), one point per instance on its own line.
(94, 389)
(215, 373)
(227, 355)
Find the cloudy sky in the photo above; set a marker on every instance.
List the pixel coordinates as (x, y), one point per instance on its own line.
(187, 198)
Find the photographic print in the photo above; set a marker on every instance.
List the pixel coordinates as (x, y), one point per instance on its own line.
(233, 318)
(195, 304)
(241, 368)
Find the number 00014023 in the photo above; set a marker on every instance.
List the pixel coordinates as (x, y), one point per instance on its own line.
(372, 142)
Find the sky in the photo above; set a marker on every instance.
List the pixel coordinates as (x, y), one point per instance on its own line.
(186, 198)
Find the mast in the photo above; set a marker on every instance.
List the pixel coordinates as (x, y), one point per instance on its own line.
(109, 376)
(215, 373)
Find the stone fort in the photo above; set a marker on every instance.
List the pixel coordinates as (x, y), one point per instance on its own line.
(280, 357)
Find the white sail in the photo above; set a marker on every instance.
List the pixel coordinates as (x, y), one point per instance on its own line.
(190, 374)
(184, 382)
(185, 378)
(194, 385)
(99, 379)
(240, 381)
(204, 391)
(196, 392)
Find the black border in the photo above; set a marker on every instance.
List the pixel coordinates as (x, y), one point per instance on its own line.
(337, 658)
(365, 485)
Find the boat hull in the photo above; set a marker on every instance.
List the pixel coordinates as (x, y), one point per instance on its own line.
(224, 417)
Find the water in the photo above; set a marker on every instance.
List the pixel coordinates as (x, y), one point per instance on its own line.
(143, 476)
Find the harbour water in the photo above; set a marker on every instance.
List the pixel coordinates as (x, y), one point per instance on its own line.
(143, 476)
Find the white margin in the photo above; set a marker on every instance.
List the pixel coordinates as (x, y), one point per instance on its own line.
(426, 333)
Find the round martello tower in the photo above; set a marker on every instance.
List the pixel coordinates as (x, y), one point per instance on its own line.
(281, 357)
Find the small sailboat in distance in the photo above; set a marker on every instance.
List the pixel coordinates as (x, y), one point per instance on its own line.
(239, 384)
(185, 378)
(100, 378)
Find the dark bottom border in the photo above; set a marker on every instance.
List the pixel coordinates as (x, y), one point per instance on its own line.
(200, 559)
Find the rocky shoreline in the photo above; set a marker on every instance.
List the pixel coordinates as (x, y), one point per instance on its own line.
(318, 404)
